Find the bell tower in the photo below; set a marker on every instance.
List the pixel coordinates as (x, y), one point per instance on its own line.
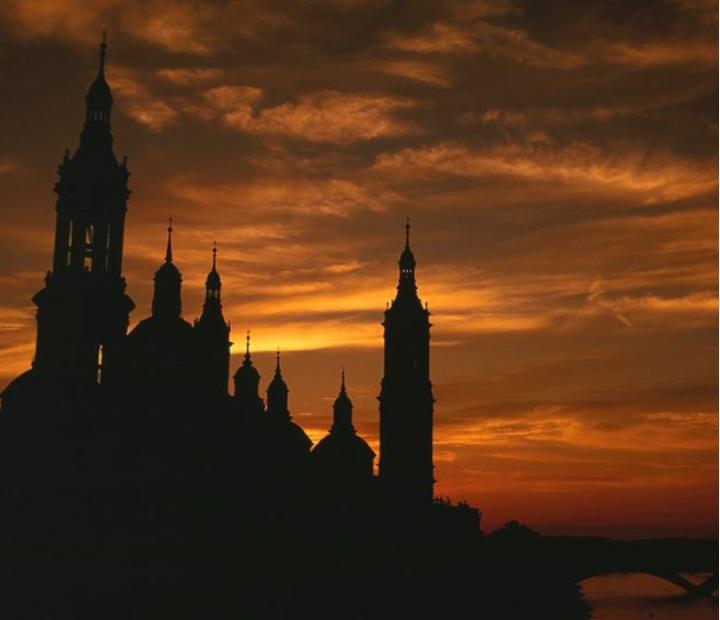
(406, 398)
(83, 310)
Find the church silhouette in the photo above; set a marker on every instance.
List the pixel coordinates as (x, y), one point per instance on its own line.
(134, 485)
(167, 368)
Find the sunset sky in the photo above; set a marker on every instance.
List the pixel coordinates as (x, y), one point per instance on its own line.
(557, 160)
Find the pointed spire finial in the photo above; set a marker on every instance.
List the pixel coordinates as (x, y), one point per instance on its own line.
(168, 251)
(247, 361)
(342, 379)
(103, 51)
(214, 252)
(277, 362)
(407, 232)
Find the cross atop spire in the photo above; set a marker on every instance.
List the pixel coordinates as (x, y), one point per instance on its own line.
(247, 361)
(407, 259)
(168, 251)
(103, 51)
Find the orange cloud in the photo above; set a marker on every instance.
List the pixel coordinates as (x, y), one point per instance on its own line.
(336, 197)
(188, 76)
(658, 54)
(180, 26)
(487, 38)
(419, 71)
(323, 117)
(581, 165)
(137, 102)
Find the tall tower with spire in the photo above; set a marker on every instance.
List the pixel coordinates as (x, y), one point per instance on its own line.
(83, 310)
(406, 398)
(213, 336)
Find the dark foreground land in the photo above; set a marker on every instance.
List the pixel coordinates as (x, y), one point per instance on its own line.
(166, 520)
(347, 563)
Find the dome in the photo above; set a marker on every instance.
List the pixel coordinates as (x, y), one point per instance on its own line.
(168, 272)
(20, 386)
(246, 371)
(341, 445)
(277, 385)
(343, 457)
(99, 96)
(342, 402)
(298, 437)
(407, 259)
(213, 280)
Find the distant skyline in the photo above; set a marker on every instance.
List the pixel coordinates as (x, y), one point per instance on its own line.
(559, 166)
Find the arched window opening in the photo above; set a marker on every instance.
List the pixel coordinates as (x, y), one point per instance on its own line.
(88, 249)
(99, 364)
(68, 244)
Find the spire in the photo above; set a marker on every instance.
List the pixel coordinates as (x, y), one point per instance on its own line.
(247, 361)
(213, 283)
(166, 301)
(103, 51)
(95, 138)
(277, 393)
(342, 410)
(407, 265)
(212, 315)
(168, 251)
(246, 380)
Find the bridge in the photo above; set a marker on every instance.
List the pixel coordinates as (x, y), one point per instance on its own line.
(667, 559)
(693, 590)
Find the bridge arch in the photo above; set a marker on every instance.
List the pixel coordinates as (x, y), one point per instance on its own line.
(706, 588)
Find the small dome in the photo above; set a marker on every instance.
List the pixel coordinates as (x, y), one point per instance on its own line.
(277, 385)
(342, 402)
(213, 280)
(168, 272)
(407, 259)
(99, 96)
(246, 371)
